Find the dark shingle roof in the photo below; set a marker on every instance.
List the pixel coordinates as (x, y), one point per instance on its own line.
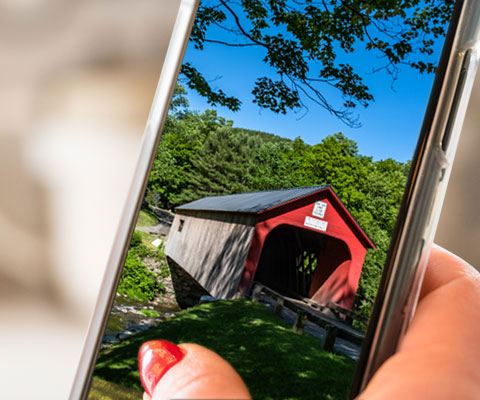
(252, 202)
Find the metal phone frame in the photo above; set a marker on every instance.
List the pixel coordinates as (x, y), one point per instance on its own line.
(423, 197)
(153, 130)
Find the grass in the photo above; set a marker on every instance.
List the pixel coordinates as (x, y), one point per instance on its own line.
(147, 240)
(103, 390)
(274, 362)
(150, 313)
(146, 218)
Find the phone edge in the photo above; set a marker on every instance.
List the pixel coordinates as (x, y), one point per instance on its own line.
(152, 134)
(431, 166)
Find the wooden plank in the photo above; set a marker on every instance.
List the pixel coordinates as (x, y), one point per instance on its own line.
(257, 291)
(279, 303)
(344, 331)
(300, 320)
(212, 247)
(349, 314)
(330, 336)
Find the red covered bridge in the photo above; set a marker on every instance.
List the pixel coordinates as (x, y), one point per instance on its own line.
(299, 241)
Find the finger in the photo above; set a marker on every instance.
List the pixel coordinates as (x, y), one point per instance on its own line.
(441, 272)
(201, 374)
(450, 304)
(438, 356)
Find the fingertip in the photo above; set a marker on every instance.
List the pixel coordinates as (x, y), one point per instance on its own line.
(201, 374)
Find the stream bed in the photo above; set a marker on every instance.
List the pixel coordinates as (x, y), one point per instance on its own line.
(127, 319)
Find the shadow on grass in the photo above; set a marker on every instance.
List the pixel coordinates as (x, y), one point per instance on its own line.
(274, 362)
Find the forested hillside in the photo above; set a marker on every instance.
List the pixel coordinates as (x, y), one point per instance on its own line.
(201, 154)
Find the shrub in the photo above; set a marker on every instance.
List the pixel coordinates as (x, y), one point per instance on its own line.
(137, 281)
(138, 247)
(136, 239)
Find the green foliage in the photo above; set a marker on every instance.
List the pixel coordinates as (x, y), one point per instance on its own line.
(138, 248)
(136, 239)
(234, 160)
(144, 247)
(336, 161)
(137, 282)
(103, 390)
(146, 218)
(183, 135)
(310, 47)
(179, 101)
(150, 313)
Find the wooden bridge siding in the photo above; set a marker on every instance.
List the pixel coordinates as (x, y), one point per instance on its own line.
(212, 247)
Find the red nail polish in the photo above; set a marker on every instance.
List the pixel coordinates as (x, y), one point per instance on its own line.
(155, 358)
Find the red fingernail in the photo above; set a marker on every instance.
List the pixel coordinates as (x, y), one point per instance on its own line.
(155, 358)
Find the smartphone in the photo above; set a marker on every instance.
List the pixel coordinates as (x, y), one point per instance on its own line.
(272, 214)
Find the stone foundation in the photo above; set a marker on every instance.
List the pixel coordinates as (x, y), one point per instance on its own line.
(187, 290)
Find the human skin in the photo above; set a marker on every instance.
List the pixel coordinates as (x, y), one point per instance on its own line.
(437, 359)
(439, 356)
(202, 374)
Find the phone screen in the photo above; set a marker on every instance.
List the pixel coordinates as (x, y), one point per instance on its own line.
(275, 189)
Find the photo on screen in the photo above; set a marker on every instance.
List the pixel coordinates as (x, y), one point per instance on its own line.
(275, 190)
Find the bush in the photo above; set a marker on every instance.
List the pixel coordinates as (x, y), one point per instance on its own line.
(136, 239)
(138, 247)
(137, 281)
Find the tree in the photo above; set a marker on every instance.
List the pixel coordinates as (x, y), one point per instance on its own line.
(383, 192)
(183, 135)
(311, 46)
(236, 160)
(335, 161)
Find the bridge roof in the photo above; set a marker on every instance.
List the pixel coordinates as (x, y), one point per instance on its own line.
(260, 202)
(251, 202)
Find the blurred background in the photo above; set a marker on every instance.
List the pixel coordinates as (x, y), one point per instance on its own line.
(77, 80)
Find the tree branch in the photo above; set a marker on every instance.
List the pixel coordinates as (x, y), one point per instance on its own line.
(230, 44)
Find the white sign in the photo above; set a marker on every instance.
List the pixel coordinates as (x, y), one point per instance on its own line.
(157, 242)
(319, 209)
(316, 224)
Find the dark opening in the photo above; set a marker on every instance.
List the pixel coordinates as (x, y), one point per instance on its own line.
(289, 258)
(180, 225)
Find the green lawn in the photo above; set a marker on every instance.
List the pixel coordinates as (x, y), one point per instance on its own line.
(103, 390)
(146, 218)
(147, 240)
(274, 362)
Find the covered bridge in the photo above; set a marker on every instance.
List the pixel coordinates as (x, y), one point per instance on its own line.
(300, 241)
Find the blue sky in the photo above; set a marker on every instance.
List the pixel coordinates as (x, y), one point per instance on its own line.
(390, 124)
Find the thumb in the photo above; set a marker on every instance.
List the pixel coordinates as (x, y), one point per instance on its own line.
(199, 374)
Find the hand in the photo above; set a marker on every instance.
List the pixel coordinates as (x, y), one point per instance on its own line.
(439, 356)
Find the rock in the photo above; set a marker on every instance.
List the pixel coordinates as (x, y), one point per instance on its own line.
(110, 339)
(125, 335)
(207, 299)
